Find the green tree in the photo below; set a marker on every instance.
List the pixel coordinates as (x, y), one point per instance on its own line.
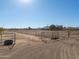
(29, 28)
(56, 27)
(52, 27)
(59, 27)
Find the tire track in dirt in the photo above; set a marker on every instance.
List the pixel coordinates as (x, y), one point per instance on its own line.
(39, 52)
(70, 52)
(77, 49)
(75, 52)
(58, 51)
(67, 51)
(23, 52)
(33, 51)
(63, 54)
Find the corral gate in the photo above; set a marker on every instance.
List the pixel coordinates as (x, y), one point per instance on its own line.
(8, 39)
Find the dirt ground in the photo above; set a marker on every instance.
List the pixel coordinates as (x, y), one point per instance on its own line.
(31, 47)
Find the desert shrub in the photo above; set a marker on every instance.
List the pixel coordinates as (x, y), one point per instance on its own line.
(52, 27)
(54, 38)
(1, 30)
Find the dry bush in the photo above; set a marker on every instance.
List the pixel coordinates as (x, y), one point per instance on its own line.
(1, 30)
(54, 37)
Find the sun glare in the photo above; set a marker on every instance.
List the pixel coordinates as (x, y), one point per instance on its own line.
(25, 1)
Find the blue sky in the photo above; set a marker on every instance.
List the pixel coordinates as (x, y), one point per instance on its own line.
(39, 13)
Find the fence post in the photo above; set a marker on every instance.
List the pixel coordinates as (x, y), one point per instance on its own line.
(1, 38)
(68, 34)
(41, 35)
(14, 38)
(51, 36)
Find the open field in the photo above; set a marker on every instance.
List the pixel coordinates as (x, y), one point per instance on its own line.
(32, 47)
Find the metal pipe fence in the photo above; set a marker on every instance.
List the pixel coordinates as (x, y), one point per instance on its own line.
(8, 36)
(50, 34)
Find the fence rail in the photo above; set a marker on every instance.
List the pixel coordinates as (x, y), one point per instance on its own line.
(50, 34)
(6, 37)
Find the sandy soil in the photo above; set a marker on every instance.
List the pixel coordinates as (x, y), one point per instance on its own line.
(31, 47)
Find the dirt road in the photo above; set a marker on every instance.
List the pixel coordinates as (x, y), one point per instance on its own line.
(31, 47)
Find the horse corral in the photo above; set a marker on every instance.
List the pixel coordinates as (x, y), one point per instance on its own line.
(51, 35)
(34, 44)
